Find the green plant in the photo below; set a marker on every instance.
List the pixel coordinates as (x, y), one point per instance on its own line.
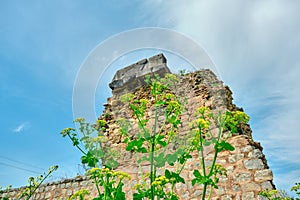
(80, 194)
(281, 195)
(153, 144)
(90, 143)
(2, 191)
(35, 183)
(296, 189)
(202, 137)
(111, 181)
(152, 141)
(100, 159)
(182, 72)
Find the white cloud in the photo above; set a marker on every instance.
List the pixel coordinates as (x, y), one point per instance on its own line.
(255, 45)
(21, 127)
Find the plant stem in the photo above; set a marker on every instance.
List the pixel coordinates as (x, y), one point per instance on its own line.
(153, 170)
(35, 188)
(210, 192)
(202, 163)
(204, 191)
(97, 186)
(78, 147)
(216, 152)
(106, 187)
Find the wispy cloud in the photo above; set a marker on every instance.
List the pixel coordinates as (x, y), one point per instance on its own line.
(255, 46)
(21, 127)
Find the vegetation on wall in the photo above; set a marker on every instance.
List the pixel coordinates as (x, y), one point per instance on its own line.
(152, 145)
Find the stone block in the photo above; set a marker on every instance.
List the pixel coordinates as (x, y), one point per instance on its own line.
(226, 197)
(197, 193)
(263, 175)
(256, 153)
(236, 188)
(247, 187)
(242, 177)
(248, 196)
(185, 195)
(254, 164)
(247, 148)
(266, 185)
(230, 169)
(47, 195)
(234, 158)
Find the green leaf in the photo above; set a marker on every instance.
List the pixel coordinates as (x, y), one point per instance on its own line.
(126, 140)
(138, 196)
(160, 102)
(89, 159)
(160, 140)
(119, 193)
(147, 135)
(130, 146)
(178, 178)
(168, 174)
(160, 160)
(225, 145)
(139, 142)
(214, 140)
(197, 174)
(206, 143)
(183, 157)
(194, 181)
(144, 158)
(142, 150)
(171, 158)
(174, 197)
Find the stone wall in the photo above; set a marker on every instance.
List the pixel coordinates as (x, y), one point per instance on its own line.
(247, 169)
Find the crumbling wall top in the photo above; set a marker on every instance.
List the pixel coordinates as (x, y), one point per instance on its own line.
(156, 64)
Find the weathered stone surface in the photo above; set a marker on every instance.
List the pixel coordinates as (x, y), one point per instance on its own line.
(242, 177)
(236, 188)
(246, 187)
(235, 158)
(267, 185)
(263, 175)
(226, 197)
(254, 164)
(256, 153)
(248, 196)
(156, 64)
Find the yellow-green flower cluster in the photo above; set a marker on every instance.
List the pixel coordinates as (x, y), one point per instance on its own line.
(144, 102)
(219, 169)
(240, 116)
(101, 123)
(274, 194)
(204, 111)
(99, 139)
(139, 186)
(160, 181)
(102, 172)
(80, 194)
(200, 123)
(79, 120)
(169, 96)
(174, 107)
(66, 131)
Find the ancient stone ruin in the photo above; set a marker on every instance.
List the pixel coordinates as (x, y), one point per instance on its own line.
(247, 169)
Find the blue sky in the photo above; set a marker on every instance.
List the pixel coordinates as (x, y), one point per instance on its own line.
(254, 44)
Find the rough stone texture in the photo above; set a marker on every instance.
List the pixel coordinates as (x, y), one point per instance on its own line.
(131, 77)
(247, 169)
